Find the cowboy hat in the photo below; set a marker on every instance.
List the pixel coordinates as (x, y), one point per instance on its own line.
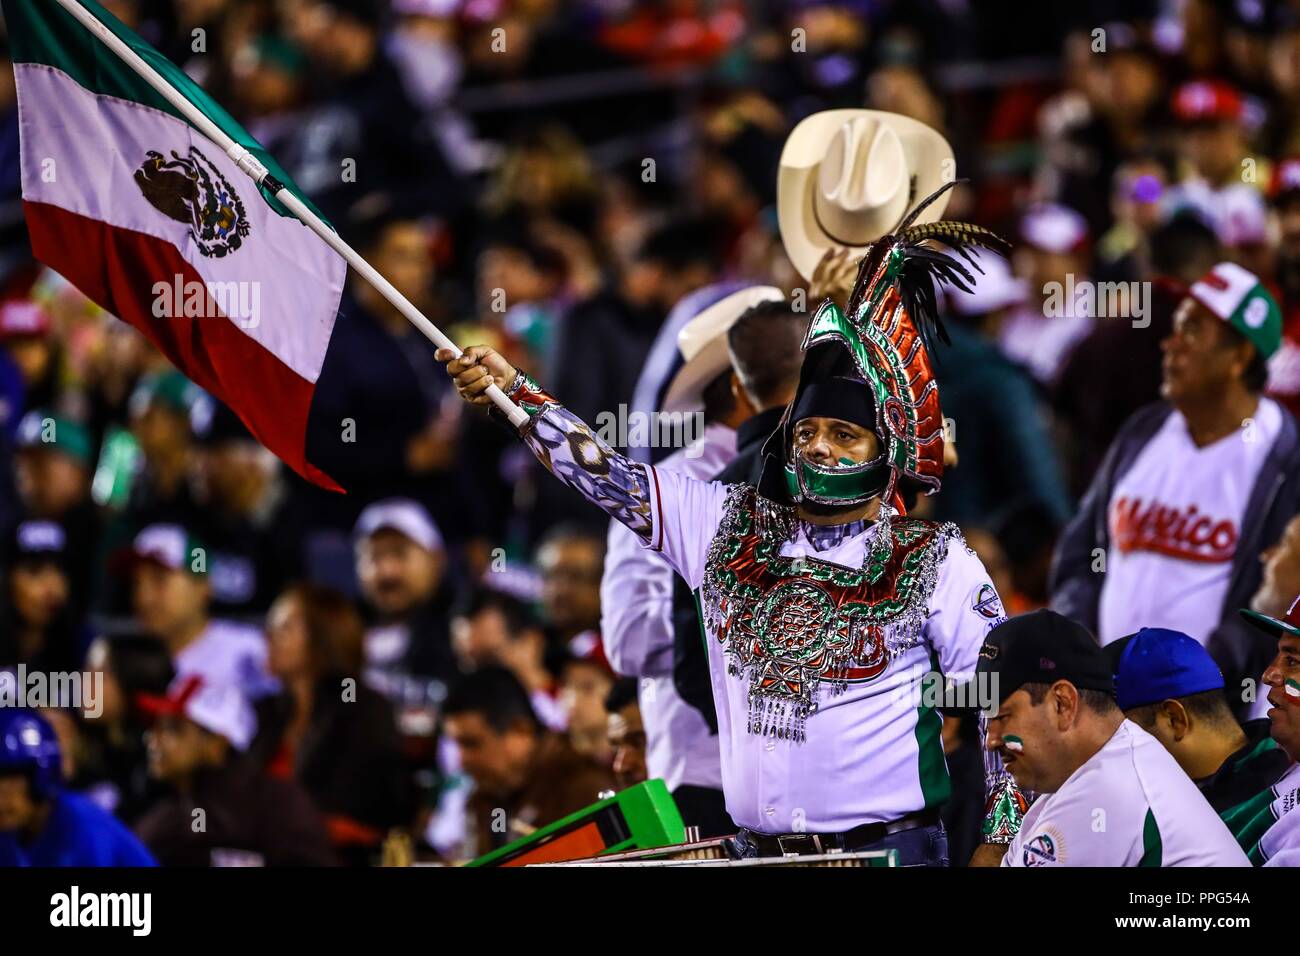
(848, 177)
(703, 344)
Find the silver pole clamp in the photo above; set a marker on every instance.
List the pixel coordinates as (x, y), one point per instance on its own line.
(246, 161)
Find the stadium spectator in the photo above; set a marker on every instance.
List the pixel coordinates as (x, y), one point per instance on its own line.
(327, 730)
(1193, 488)
(171, 596)
(250, 818)
(497, 629)
(534, 776)
(114, 768)
(1169, 686)
(627, 737)
(570, 560)
(401, 563)
(41, 822)
(39, 625)
(242, 496)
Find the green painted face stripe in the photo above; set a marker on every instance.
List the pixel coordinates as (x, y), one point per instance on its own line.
(1152, 848)
(43, 32)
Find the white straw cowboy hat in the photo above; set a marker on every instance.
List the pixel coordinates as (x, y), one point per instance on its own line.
(849, 177)
(703, 344)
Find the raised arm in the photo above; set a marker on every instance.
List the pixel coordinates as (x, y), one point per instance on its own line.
(561, 441)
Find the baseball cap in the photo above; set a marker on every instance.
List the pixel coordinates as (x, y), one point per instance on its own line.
(1052, 227)
(1043, 647)
(1158, 664)
(1202, 101)
(402, 515)
(1237, 297)
(995, 286)
(169, 388)
(1285, 179)
(41, 428)
(36, 541)
(218, 709)
(169, 545)
(217, 424)
(23, 317)
(1287, 624)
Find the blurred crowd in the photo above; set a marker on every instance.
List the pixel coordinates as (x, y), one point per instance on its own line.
(552, 179)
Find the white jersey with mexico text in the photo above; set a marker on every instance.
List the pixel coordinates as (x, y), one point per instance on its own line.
(1129, 804)
(1175, 519)
(873, 751)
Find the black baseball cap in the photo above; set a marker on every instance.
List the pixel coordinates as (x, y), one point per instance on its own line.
(1043, 647)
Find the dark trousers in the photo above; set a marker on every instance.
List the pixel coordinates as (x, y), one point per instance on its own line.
(919, 846)
(705, 808)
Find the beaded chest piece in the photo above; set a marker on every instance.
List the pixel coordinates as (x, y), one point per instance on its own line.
(792, 623)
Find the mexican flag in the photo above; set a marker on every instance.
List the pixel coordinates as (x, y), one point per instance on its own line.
(151, 220)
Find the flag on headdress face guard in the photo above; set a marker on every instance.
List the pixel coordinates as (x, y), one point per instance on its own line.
(152, 221)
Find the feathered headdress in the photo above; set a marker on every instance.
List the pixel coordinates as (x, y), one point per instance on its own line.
(883, 340)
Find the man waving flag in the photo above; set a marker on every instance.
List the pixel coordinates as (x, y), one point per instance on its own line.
(148, 217)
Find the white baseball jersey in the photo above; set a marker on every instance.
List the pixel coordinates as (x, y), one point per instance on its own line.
(1130, 804)
(1175, 519)
(636, 626)
(1280, 844)
(872, 751)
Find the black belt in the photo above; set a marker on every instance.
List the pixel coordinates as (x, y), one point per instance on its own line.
(802, 844)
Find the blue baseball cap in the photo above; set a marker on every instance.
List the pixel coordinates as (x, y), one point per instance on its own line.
(1158, 664)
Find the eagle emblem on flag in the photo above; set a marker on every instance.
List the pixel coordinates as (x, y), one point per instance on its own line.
(191, 190)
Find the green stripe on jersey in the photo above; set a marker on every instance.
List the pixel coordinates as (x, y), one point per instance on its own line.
(936, 785)
(1152, 849)
(41, 31)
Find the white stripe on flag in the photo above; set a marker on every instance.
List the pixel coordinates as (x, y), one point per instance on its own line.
(96, 143)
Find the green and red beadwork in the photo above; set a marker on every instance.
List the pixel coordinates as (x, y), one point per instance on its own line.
(794, 623)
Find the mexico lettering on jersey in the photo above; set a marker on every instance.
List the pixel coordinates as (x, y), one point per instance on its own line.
(1175, 532)
(1130, 804)
(1175, 519)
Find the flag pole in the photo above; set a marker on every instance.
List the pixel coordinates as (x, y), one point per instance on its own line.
(254, 169)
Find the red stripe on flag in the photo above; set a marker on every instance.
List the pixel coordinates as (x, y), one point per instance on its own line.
(117, 268)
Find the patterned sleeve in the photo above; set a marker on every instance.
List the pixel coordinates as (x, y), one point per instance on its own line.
(581, 459)
(1005, 804)
(670, 513)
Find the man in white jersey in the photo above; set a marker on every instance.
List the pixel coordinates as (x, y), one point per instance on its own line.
(828, 611)
(1193, 488)
(1270, 825)
(1111, 794)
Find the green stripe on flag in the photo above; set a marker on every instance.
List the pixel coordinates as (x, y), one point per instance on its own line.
(1152, 848)
(41, 31)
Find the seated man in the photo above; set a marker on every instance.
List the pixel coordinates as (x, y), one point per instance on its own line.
(627, 736)
(524, 775)
(1168, 685)
(1268, 825)
(249, 818)
(1112, 796)
(42, 824)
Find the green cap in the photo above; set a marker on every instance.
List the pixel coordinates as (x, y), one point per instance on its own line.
(41, 428)
(1238, 297)
(170, 389)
